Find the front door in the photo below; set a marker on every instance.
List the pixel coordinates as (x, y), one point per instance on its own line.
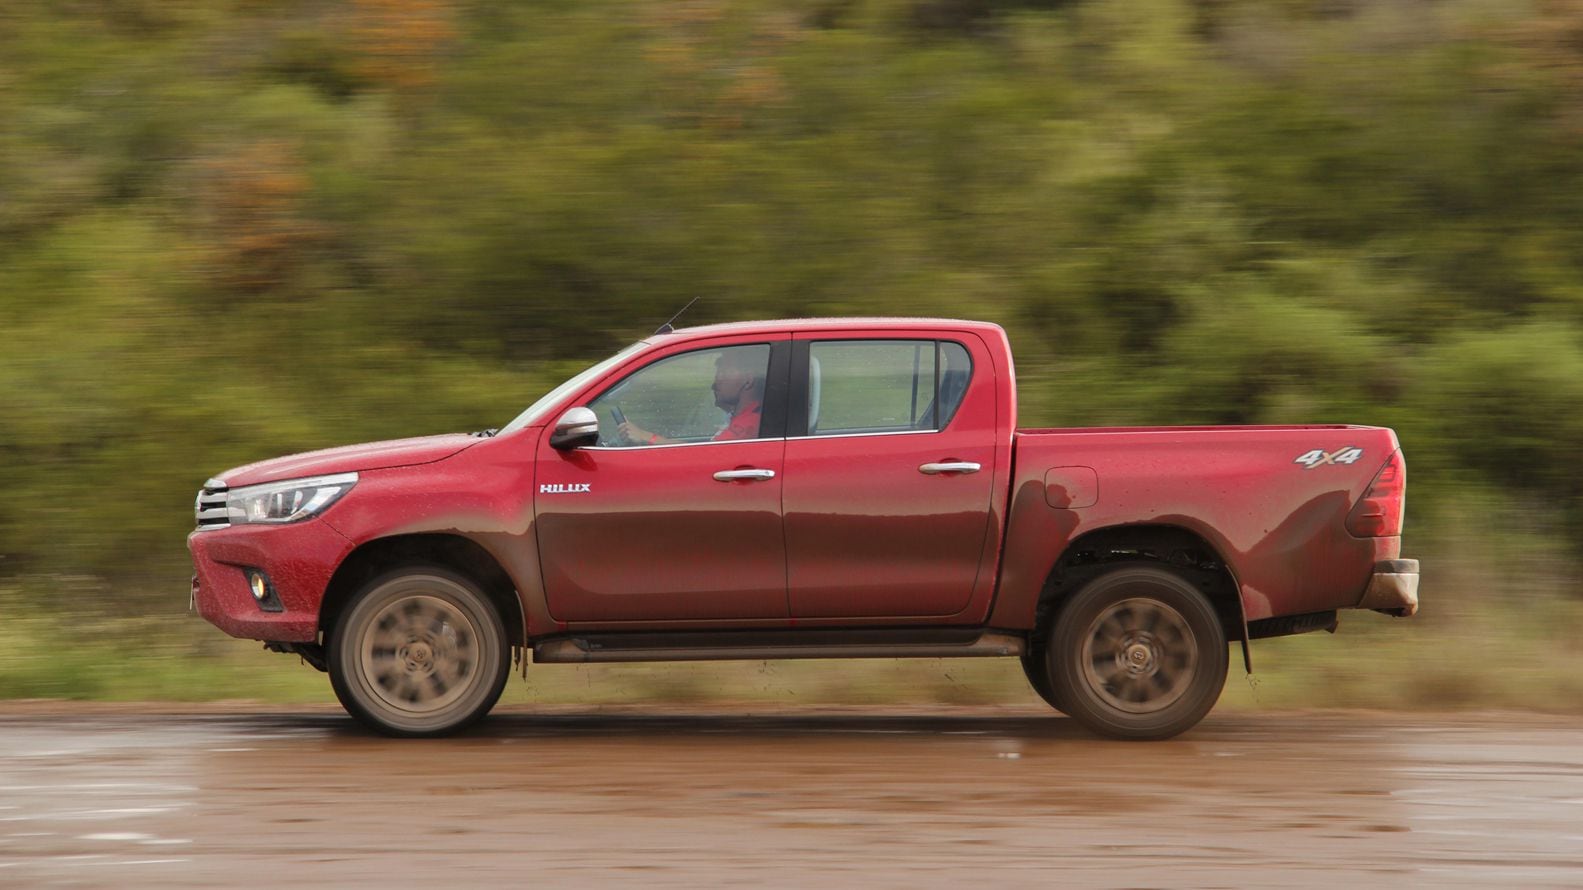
(887, 494)
(675, 515)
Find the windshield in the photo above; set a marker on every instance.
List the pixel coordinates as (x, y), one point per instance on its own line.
(548, 400)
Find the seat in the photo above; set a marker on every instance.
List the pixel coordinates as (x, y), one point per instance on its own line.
(953, 385)
(814, 386)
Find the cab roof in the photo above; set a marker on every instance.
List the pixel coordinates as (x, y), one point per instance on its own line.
(799, 325)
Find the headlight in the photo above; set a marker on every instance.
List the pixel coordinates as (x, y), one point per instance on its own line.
(292, 500)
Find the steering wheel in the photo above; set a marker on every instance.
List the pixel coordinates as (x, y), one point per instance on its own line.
(619, 417)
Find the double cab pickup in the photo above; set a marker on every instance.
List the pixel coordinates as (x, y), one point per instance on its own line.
(804, 489)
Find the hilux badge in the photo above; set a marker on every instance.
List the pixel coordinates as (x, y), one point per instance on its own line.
(563, 488)
(1318, 457)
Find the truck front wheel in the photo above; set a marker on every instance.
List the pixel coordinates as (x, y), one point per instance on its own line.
(1036, 667)
(1137, 653)
(419, 651)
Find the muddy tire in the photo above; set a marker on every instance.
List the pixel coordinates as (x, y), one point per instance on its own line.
(1036, 668)
(1137, 653)
(419, 651)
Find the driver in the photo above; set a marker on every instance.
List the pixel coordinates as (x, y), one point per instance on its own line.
(739, 391)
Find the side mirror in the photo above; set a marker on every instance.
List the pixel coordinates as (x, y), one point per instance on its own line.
(576, 428)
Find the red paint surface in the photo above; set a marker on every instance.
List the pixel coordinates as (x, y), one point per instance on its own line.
(870, 537)
(370, 456)
(847, 533)
(1281, 528)
(299, 560)
(657, 537)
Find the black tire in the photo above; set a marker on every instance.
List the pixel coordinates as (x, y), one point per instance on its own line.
(1137, 653)
(1036, 668)
(419, 651)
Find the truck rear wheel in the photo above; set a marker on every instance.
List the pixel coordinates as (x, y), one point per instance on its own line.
(1137, 653)
(419, 652)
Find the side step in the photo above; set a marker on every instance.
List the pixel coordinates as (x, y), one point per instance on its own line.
(761, 645)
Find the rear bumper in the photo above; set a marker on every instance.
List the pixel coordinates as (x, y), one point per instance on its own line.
(1393, 588)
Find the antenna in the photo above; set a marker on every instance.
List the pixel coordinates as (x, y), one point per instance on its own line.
(666, 327)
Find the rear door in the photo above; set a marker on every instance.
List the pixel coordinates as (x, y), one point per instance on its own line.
(889, 470)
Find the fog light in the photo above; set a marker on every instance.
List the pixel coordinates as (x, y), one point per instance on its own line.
(260, 587)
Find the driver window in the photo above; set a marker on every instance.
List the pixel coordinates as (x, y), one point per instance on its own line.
(703, 396)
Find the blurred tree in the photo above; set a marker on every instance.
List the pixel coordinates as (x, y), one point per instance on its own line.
(253, 210)
(401, 42)
(233, 230)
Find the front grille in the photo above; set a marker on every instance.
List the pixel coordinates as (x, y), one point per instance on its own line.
(210, 507)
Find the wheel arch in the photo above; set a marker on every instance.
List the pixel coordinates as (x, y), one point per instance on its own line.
(1174, 546)
(456, 552)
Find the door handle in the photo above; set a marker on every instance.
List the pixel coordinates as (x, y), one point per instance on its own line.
(950, 466)
(744, 475)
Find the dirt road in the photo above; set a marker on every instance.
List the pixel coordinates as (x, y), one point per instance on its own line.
(129, 796)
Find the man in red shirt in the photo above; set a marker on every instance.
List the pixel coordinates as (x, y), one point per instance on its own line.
(739, 391)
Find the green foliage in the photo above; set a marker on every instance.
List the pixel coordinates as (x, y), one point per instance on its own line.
(229, 231)
(1525, 383)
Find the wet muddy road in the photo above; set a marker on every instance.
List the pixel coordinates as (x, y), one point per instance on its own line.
(122, 796)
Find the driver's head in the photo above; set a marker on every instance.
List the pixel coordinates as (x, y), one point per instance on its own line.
(738, 373)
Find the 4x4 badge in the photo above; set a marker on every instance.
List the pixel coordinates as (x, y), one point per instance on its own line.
(1318, 458)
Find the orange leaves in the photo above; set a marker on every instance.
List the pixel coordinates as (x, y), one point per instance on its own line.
(1550, 42)
(400, 42)
(710, 77)
(253, 204)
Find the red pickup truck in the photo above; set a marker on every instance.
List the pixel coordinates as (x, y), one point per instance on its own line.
(804, 489)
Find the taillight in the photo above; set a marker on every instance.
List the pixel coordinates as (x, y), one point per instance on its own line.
(1379, 513)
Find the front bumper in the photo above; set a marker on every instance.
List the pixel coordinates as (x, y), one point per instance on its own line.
(1393, 588)
(299, 560)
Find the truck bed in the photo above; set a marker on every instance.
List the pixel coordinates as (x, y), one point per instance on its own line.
(1270, 501)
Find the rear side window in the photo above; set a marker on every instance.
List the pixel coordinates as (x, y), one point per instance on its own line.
(884, 386)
